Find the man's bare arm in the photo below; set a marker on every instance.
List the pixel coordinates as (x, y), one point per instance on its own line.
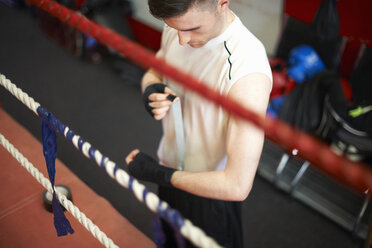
(244, 147)
(150, 77)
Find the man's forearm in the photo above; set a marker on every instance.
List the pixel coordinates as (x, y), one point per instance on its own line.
(220, 185)
(150, 77)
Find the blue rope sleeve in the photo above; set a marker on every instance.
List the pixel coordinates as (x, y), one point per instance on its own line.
(61, 223)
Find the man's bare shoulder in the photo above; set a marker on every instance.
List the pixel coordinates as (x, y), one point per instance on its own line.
(252, 91)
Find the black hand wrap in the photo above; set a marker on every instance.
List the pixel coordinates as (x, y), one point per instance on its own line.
(148, 169)
(154, 88)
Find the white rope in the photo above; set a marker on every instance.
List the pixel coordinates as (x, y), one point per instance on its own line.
(188, 230)
(19, 94)
(69, 206)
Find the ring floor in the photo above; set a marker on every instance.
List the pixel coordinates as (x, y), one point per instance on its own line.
(23, 218)
(105, 108)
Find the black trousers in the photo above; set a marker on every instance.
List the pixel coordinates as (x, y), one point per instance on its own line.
(220, 220)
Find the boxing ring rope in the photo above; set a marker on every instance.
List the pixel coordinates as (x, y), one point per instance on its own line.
(355, 175)
(151, 200)
(69, 206)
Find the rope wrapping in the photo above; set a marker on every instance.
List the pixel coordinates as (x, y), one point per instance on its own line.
(355, 175)
(49, 138)
(68, 205)
(151, 200)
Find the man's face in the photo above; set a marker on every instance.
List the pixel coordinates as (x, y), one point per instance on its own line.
(196, 27)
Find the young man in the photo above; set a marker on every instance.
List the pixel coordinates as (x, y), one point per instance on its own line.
(207, 40)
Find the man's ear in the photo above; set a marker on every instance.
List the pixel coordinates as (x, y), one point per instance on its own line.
(223, 5)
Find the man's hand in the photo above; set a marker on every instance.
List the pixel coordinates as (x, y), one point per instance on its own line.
(144, 167)
(157, 99)
(131, 156)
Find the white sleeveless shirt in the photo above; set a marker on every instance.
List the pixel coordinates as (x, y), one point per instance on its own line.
(220, 63)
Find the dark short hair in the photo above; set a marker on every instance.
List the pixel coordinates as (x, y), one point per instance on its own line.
(163, 9)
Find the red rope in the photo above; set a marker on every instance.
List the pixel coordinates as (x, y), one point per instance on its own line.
(356, 175)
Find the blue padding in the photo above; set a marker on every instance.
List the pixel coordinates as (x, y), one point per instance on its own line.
(304, 63)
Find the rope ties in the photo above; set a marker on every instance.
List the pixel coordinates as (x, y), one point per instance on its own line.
(49, 138)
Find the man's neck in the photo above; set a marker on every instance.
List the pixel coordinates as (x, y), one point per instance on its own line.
(228, 18)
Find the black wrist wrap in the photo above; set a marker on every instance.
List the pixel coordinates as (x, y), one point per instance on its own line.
(154, 88)
(148, 169)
